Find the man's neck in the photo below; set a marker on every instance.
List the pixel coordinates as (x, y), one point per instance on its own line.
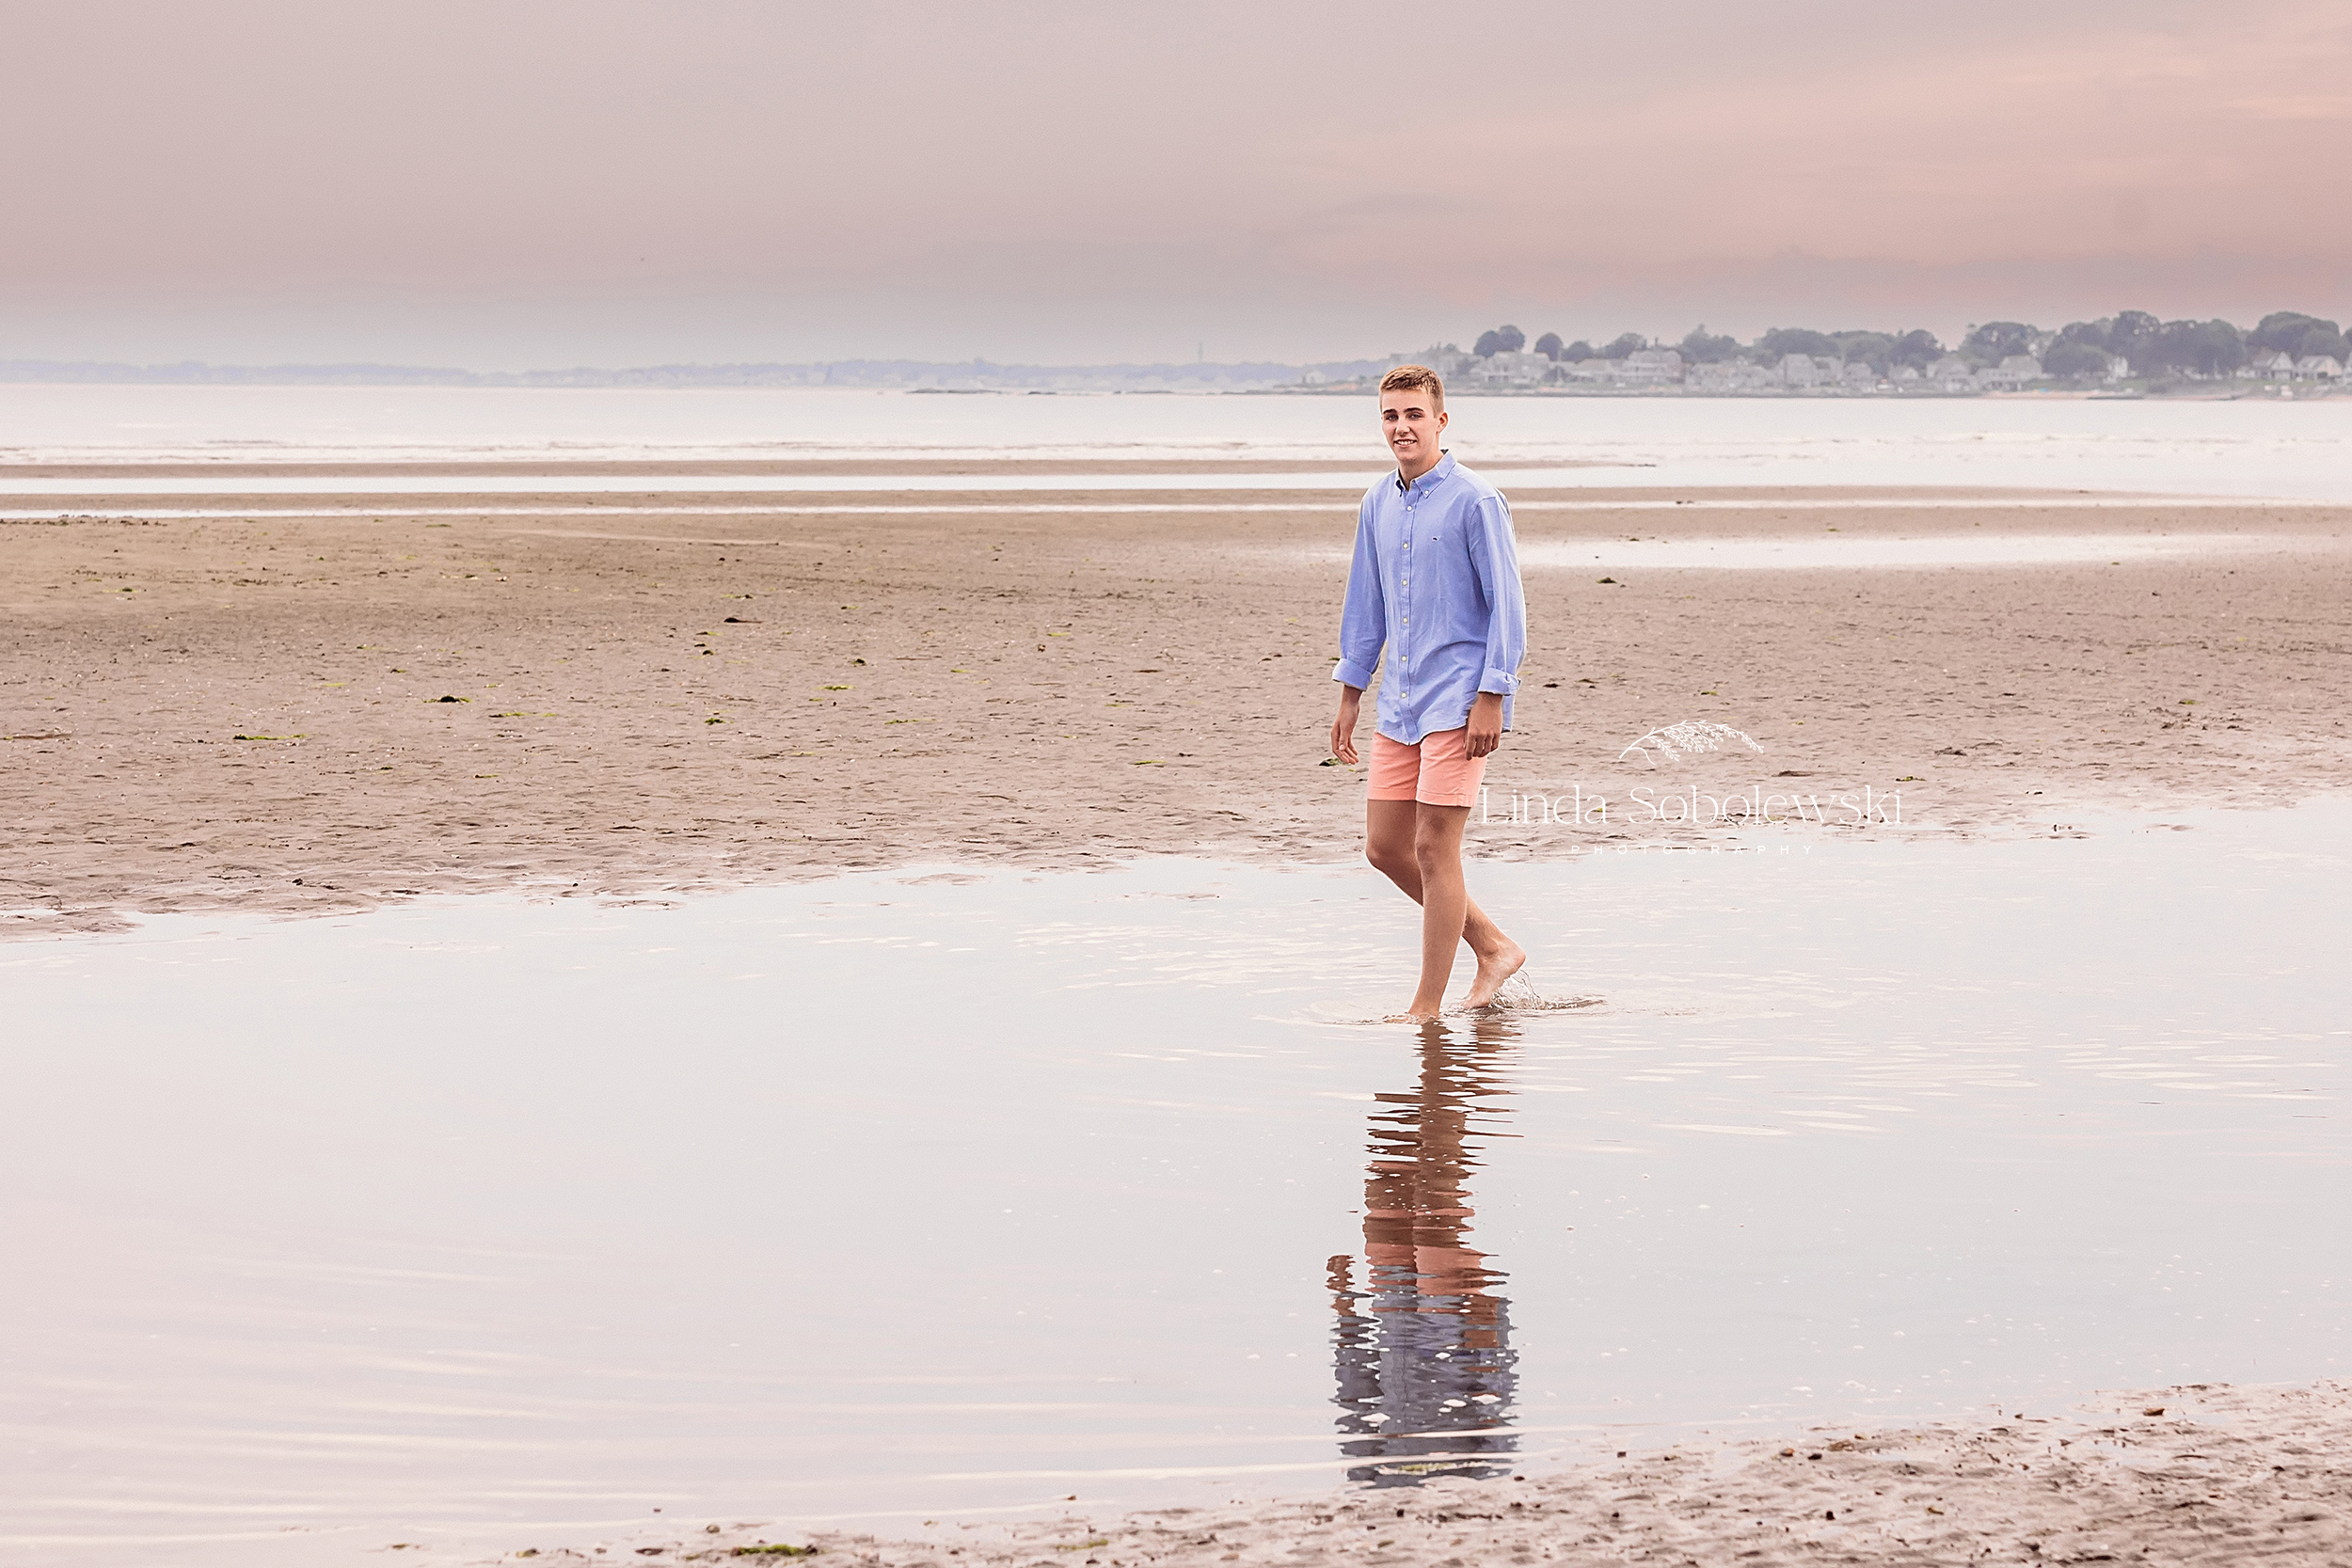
(1407, 475)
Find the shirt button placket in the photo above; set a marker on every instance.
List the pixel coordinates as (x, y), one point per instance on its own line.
(1405, 586)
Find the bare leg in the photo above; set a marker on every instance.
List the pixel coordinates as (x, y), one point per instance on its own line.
(1401, 838)
(1444, 902)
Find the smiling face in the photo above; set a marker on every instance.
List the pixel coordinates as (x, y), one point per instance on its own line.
(1413, 418)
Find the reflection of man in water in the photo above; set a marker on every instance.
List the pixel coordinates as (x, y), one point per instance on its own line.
(1422, 1352)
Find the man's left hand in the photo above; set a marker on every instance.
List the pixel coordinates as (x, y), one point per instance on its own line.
(1485, 724)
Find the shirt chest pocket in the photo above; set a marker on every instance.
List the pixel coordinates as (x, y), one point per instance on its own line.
(1424, 540)
(1438, 536)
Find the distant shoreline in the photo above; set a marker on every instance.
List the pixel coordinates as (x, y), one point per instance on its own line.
(2265, 392)
(2191, 392)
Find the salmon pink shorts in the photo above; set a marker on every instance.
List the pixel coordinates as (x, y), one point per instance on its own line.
(1438, 772)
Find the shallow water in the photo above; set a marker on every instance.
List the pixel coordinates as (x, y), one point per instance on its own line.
(632, 489)
(494, 1224)
(1824, 551)
(2251, 446)
(303, 495)
(1875, 553)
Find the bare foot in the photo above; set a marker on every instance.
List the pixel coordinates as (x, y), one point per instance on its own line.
(1493, 969)
(1411, 1018)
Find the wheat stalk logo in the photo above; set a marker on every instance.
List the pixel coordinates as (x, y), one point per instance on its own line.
(1693, 735)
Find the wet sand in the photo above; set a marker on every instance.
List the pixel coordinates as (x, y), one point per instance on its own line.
(2189, 1475)
(302, 714)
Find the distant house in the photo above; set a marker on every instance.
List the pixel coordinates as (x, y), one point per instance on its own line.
(2119, 368)
(2273, 365)
(1652, 366)
(1905, 374)
(1799, 369)
(1952, 374)
(1731, 376)
(2318, 367)
(1860, 377)
(2014, 371)
(1508, 371)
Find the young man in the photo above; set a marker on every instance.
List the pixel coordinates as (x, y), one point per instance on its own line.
(1435, 580)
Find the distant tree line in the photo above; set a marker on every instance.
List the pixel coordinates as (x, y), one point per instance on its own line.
(2078, 349)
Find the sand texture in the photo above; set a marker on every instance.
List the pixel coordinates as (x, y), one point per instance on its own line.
(2186, 1475)
(612, 696)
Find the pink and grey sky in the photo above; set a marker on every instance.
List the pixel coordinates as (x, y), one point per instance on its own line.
(522, 184)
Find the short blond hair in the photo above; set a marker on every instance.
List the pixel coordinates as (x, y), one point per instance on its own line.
(1415, 378)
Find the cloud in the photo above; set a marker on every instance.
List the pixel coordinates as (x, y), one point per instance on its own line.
(594, 178)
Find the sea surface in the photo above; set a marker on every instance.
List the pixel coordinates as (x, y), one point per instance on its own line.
(503, 1223)
(2252, 446)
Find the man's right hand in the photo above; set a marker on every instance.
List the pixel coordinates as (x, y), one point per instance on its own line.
(1343, 727)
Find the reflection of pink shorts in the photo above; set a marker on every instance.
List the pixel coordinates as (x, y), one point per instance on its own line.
(1438, 772)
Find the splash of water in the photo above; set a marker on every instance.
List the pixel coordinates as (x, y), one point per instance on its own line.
(1518, 995)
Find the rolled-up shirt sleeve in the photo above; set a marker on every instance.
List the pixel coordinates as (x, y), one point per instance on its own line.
(1364, 614)
(1495, 553)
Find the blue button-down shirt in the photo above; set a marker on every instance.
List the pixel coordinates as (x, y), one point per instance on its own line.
(1435, 580)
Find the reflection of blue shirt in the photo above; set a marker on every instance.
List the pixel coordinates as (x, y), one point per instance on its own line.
(1436, 580)
(1424, 1388)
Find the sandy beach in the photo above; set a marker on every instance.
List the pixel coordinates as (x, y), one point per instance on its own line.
(632, 695)
(2182, 1475)
(306, 705)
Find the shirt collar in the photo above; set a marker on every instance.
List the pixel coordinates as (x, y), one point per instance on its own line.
(1430, 481)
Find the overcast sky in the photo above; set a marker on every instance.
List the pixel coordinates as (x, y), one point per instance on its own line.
(500, 183)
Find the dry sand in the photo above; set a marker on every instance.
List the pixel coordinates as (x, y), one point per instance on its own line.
(251, 712)
(2185, 1475)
